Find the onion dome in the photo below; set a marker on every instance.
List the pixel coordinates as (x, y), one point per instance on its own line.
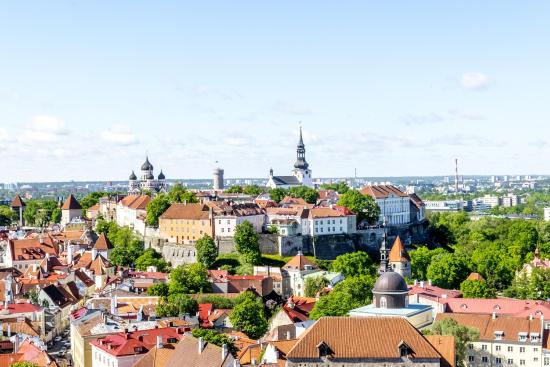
(390, 291)
(146, 166)
(133, 176)
(150, 176)
(161, 176)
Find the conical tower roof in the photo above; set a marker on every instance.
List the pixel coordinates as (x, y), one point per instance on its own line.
(398, 252)
(71, 203)
(17, 202)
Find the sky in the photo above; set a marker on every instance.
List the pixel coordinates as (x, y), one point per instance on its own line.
(390, 88)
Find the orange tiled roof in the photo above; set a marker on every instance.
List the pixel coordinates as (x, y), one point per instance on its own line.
(299, 262)
(398, 252)
(71, 203)
(103, 243)
(475, 276)
(382, 191)
(445, 345)
(192, 211)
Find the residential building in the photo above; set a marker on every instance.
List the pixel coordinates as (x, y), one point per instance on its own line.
(329, 221)
(131, 211)
(70, 210)
(503, 340)
(18, 206)
(29, 351)
(293, 274)
(270, 353)
(446, 205)
(547, 214)
(537, 262)
(502, 306)
(227, 216)
(399, 259)
(301, 173)
(395, 205)
(22, 254)
(184, 223)
(425, 293)
(126, 348)
(352, 341)
(418, 208)
(196, 352)
(63, 298)
(292, 320)
(274, 273)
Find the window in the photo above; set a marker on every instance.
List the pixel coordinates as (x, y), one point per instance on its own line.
(535, 349)
(471, 358)
(497, 348)
(484, 347)
(470, 346)
(536, 359)
(498, 360)
(383, 302)
(510, 349)
(510, 361)
(484, 359)
(522, 362)
(522, 349)
(546, 361)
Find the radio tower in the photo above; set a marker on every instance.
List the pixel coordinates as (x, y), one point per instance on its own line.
(456, 176)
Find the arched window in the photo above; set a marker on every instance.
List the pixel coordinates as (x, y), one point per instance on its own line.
(383, 302)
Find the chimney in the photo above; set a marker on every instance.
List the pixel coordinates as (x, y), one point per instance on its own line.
(421, 284)
(530, 316)
(201, 345)
(494, 315)
(444, 296)
(9, 330)
(225, 351)
(288, 335)
(159, 342)
(430, 282)
(415, 282)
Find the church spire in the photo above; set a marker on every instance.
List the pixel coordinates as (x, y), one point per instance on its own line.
(384, 251)
(301, 154)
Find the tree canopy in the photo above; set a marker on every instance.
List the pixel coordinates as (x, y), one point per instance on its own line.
(207, 252)
(463, 335)
(248, 315)
(340, 187)
(476, 289)
(448, 270)
(7, 216)
(177, 305)
(363, 206)
(353, 264)
(314, 285)
(150, 257)
(216, 338)
(189, 278)
(247, 243)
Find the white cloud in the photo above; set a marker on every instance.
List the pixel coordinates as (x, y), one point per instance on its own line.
(119, 134)
(4, 135)
(474, 81)
(44, 129)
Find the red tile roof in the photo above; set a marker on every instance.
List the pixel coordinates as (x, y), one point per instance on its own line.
(17, 202)
(136, 342)
(103, 243)
(25, 307)
(186, 211)
(136, 201)
(298, 308)
(382, 191)
(433, 293)
(502, 306)
(299, 262)
(71, 203)
(398, 252)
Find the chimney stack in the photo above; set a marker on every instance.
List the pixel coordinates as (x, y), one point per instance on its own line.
(225, 351)
(159, 342)
(201, 345)
(494, 315)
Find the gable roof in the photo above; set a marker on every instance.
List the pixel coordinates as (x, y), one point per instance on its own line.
(475, 276)
(124, 344)
(299, 262)
(71, 203)
(33, 248)
(445, 345)
(32, 353)
(286, 180)
(156, 357)
(382, 191)
(362, 338)
(194, 211)
(188, 350)
(103, 243)
(135, 201)
(398, 252)
(502, 306)
(298, 308)
(59, 296)
(17, 202)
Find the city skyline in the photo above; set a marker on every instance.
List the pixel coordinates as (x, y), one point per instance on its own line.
(389, 90)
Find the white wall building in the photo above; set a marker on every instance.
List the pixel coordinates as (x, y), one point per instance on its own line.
(228, 217)
(547, 214)
(394, 204)
(131, 212)
(329, 221)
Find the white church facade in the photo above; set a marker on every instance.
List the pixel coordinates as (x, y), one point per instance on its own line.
(147, 181)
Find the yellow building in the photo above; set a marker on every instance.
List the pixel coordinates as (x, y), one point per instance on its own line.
(186, 223)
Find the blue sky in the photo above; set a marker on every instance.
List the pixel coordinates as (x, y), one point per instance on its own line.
(390, 88)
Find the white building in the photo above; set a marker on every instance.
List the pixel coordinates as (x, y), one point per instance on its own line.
(70, 210)
(329, 221)
(301, 173)
(445, 205)
(547, 214)
(147, 180)
(394, 204)
(131, 211)
(227, 217)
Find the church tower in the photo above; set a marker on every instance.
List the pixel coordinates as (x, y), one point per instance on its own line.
(301, 168)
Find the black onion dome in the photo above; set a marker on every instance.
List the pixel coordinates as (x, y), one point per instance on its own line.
(390, 282)
(150, 176)
(301, 164)
(161, 176)
(133, 176)
(147, 166)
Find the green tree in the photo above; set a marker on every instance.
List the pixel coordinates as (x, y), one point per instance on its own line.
(30, 212)
(448, 270)
(533, 286)
(216, 338)
(7, 216)
(353, 264)
(340, 187)
(217, 301)
(159, 290)
(248, 315)
(179, 194)
(92, 199)
(177, 306)
(421, 259)
(24, 364)
(314, 285)
(310, 195)
(252, 190)
(277, 194)
(352, 292)
(235, 189)
(189, 278)
(476, 289)
(151, 258)
(56, 215)
(207, 252)
(155, 208)
(247, 243)
(128, 247)
(463, 336)
(363, 206)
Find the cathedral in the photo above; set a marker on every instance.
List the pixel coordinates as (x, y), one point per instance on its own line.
(301, 174)
(147, 180)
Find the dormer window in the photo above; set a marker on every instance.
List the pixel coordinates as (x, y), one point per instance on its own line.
(535, 337)
(522, 337)
(498, 335)
(138, 349)
(324, 349)
(404, 350)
